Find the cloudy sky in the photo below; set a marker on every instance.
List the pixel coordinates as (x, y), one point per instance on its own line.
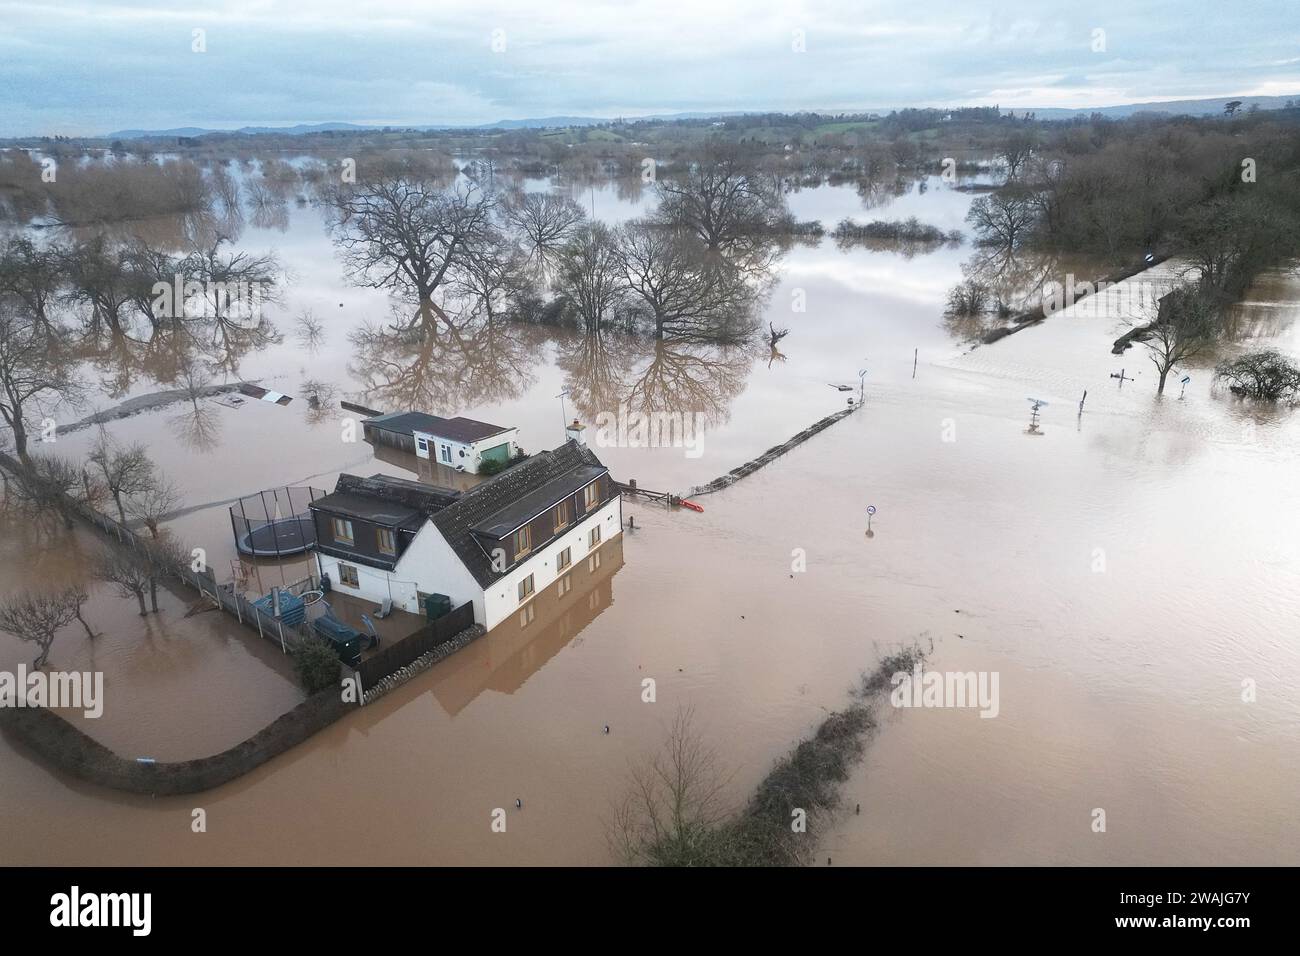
(95, 67)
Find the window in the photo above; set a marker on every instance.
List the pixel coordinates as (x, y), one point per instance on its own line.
(564, 587)
(563, 560)
(563, 514)
(525, 589)
(387, 541)
(523, 540)
(590, 494)
(422, 443)
(445, 451)
(343, 532)
(593, 537)
(348, 576)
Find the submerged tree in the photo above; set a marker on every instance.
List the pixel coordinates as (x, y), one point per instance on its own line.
(131, 572)
(126, 472)
(675, 810)
(722, 200)
(34, 370)
(1187, 322)
(686, 290)
(589, 276)
(33, 275)
(152, 503)
(48, 485)
(1266, 375)
(1004, 218)
(403, 233)
(544, 223)
(37, 618)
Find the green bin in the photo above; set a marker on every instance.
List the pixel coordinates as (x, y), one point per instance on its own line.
(436, 606)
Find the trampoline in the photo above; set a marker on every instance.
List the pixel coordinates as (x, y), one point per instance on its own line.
(275, 523)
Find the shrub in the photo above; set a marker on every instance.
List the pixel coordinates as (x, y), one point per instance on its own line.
(491, 466)
(316, 663)
(968, 298)
(1267, 375)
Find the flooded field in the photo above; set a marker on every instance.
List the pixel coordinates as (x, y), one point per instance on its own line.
(1124, 570)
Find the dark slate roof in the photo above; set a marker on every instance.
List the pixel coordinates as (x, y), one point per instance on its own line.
(457, 429)
(525, 509)
(396, 502)
(458, 520)
(364, 506)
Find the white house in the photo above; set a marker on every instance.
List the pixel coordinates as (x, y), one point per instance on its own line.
(498, 544)
(460, 443)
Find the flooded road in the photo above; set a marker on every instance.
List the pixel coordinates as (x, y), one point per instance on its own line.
(1124, 571)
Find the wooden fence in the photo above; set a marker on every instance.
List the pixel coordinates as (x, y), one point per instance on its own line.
(400, 653)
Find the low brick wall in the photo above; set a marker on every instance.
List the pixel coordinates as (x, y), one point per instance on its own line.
(422, 663)
(63, 745)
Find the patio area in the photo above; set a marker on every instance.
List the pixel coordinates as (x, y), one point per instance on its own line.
(393, 628)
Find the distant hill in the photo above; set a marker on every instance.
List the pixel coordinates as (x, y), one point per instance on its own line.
(302, 129)
(1210, 107)
(1206, 107)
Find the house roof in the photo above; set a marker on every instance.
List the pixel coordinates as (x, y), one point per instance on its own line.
(530, 486)
(363, 506)
(558, 468)
(465, 430)
(395, 502)
(525, 509)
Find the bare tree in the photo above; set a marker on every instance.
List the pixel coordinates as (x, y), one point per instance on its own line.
(152, 503)
(589, 275)
(101, 280)
(544, 221)
(403, 233)
(670, 273)
(33, 370)
(48, 485)
(675, 809)
(1016, 151)
(1187, 322)
(37, 618)
(32, 274)
(1004, 218)
(721, 199)
(133, 574)
(1266, 375)
(126, 472)
(233, 279)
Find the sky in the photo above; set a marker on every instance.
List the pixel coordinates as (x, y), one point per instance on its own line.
(87, 68)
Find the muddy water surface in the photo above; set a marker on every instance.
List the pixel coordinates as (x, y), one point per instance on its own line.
(1124, 571)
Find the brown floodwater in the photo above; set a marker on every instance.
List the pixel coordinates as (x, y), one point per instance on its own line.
(1120, 679)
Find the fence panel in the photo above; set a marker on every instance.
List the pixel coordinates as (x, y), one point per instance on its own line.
(403, 652)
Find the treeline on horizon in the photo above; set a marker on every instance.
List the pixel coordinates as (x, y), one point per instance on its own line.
(1224, 191)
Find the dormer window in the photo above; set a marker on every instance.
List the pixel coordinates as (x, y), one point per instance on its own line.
(523, 541)
(563, 514)
(343, 532)
(589, 495)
